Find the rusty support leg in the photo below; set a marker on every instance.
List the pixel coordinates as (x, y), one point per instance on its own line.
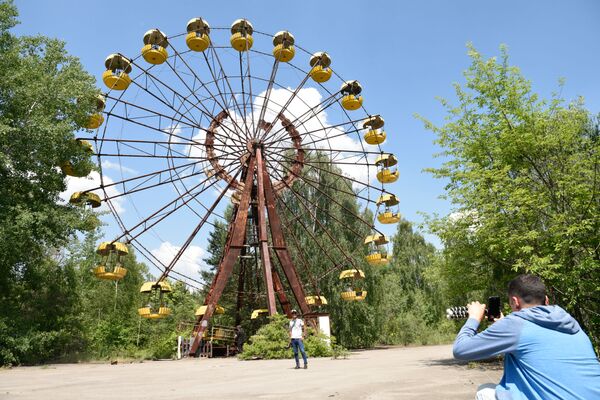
(240, 294)
(283, 300)
(279, 243)
(263, 237)
(232, 251)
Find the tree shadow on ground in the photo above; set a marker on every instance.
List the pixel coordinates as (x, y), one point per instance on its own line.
(494, 364)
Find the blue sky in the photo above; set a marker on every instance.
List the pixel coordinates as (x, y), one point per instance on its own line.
(405, 54)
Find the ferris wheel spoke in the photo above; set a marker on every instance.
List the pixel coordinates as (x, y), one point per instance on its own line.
(245, 106)
(341, 151)
(337, 179)
(301, 255)
(139, 187)
(215, 56)
(191, 140)
(158, 264)
(330, 198)
(309, 232)
(301, 120)
(320, 139)
(182, 99)
(356, 253)
(191, 237)
(267, 96)
(160, 215)
(327, 137)
(282, 138)
(285, 106)
(139, 177)
(338, 174)
(188, 195)
(153, 152)
(153, 113)
(321, 106)
(302, 200)
(164, 100)
(163, 144)
(203, 85)
(244, 109)
(193, 93)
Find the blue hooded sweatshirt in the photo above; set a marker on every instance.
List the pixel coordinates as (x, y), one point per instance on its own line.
(546, 354)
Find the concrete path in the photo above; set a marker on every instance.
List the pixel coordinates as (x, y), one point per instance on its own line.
(396, 373)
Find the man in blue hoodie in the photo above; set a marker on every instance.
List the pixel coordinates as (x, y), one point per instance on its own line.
(546, 353)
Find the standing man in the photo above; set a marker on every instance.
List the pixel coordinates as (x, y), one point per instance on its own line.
(546, 353)
(297, 333)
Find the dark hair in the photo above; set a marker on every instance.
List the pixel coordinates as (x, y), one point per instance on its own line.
(528, 287)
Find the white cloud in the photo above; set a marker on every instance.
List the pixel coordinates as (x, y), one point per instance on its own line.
(190, 262)
(319, 127)
(93, 181)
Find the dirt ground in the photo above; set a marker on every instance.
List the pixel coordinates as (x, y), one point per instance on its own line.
(395, 373)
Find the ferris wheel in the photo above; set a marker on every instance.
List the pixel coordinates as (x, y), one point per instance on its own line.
(218, 115)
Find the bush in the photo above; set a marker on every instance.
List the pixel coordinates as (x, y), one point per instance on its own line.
(316, 344)
(164, 346)
(272, 342)
(408, 328)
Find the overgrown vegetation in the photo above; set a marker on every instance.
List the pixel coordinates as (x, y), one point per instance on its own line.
(522, 173)
(523, 176)
(271, 341)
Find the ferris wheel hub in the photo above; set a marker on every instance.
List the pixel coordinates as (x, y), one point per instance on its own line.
(214, 154)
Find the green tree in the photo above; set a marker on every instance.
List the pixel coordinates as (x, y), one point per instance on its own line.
(44, 95)
(523, 176)
(412, 299)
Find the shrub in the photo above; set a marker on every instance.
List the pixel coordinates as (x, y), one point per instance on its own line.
(316, 344)
(272, 342)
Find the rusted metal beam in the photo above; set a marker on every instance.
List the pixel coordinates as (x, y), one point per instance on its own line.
(237, 235)
(263, 237)
(279, 244)
(279, 291)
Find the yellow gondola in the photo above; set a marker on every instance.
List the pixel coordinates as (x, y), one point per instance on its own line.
(111, 267)
(352, 273)
(259, 313)
(355, 293)
(316, 300)
(284, 46)
(85, 198)
(155, 305)
(78, 167)
(96, 119)
(320, 71)
(351, 99)
(117, 72)
(374, 134)
(378, 255)
(241, 35)
(200, 311)
(197, 38)
(155, 47)
(388, 216)
(385, 174)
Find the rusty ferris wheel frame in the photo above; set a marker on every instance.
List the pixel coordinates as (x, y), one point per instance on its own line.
(254, 158)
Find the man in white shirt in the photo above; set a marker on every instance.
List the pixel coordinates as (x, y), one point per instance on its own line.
(297, 332)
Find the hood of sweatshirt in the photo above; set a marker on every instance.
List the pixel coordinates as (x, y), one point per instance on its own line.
(550, 317)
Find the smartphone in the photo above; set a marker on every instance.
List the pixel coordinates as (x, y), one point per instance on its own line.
(493, 308)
